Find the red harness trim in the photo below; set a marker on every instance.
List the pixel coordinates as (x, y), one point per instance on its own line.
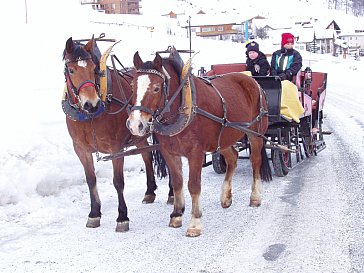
(86, 84)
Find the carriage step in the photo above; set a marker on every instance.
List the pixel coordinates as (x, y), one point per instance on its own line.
(326, 132)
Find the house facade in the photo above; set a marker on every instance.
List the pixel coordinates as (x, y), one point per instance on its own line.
(115, 6)
(354, 40)
(218, 31)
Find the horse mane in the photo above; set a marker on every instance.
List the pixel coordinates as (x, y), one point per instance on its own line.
(173, 59)
(147, 65)
(78, 52)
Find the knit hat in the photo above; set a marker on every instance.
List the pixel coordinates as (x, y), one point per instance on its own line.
(287, 38)
(252, 46)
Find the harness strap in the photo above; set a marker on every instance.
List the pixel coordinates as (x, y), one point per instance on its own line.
(180, 87)
(242, 126)
(224, 119)
(119, 83)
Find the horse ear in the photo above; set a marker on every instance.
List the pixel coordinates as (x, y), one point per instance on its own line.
(157, 61)
(69, 45)
(90, 44)
(137, 60)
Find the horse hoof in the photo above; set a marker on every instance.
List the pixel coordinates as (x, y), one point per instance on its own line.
(122, 226)
(226, 204)
(255, 203)
(93, 222)
(170, 200)
(175, 222)
(193, 232)
(148, 198)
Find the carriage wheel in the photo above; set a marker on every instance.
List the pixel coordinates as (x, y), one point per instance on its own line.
(280, 162)
(218, 163)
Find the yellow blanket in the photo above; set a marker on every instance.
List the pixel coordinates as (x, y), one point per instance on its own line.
(291, 106)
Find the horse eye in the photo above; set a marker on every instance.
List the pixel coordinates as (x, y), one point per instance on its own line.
(71, 71)
(156, 89)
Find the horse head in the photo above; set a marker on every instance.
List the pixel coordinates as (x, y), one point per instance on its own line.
(81, 73)
(148, 89)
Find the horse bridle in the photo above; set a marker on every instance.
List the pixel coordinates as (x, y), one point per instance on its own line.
(75, 100)
(166, 82)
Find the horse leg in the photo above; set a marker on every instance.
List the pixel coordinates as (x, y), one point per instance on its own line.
(88, 166)
(194, 187)
(231, 158)
(256, 145)
(174, 164)
(149, 195)
(170, 199)
(122, 222)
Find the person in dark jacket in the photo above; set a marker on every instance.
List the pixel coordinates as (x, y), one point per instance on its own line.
(256, 61)
(287, 61)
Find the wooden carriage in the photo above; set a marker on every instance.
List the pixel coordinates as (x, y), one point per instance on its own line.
(305, 138)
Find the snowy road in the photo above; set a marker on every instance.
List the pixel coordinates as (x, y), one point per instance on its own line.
(310, 221)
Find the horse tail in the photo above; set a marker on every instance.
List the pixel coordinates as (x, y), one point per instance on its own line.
(265, 170)
(159, 162)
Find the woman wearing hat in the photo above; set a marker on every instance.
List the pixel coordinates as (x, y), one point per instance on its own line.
(256, 61)
(287, 61)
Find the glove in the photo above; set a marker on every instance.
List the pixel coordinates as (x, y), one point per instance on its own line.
(282, 76)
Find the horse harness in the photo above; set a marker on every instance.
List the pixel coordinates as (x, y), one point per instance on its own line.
(103, 86)
(187, 85)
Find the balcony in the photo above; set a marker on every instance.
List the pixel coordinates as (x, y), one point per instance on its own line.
(86, 2)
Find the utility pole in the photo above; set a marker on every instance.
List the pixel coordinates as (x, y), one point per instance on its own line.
(189, 32)
(26, 12)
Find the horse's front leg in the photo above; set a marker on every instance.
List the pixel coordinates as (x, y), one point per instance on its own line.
(194, 187)
(122, 222)
(87, 162)
(231, 157)
(256, 145)
(174, 164)
(149, 195)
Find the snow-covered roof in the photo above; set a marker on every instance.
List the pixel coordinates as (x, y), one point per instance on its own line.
(306, 35)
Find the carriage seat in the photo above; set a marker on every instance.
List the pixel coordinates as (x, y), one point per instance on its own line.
(218, 69)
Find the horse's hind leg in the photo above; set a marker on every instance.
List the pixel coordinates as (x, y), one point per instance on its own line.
(88, 166)
(149, 195)
(256, 145)
(170, 199)
(231, 157)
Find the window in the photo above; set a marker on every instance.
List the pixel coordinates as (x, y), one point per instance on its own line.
(207, 29)
(220, 28)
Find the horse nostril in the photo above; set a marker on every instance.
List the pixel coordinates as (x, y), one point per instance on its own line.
(87, 106)
(140, 127)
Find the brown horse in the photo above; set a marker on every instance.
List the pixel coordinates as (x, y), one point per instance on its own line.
(96, 122)
(192, 116)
